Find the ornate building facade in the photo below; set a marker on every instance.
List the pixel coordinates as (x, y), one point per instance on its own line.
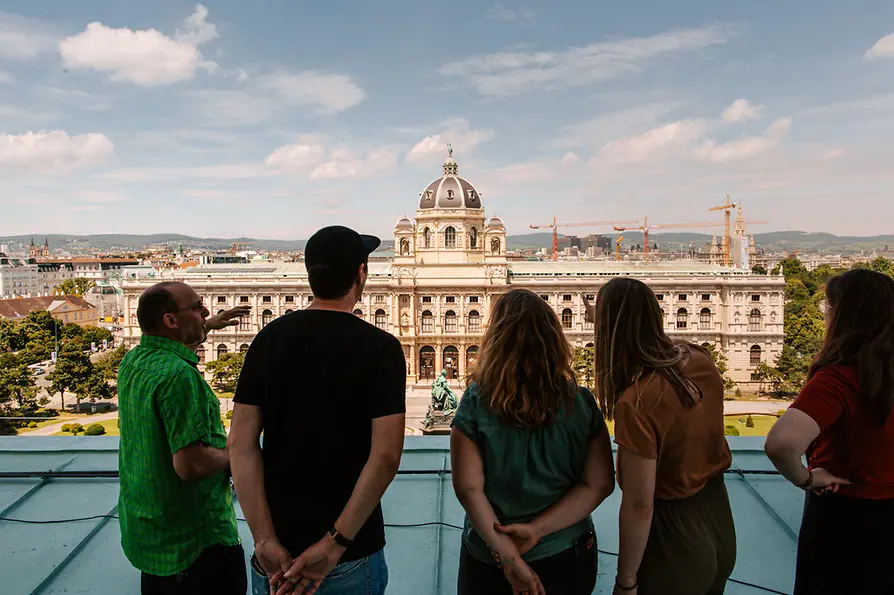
(449, 266)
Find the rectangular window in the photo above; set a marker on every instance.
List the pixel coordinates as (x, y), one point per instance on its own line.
(221, 299)
(243, 299)
(706, 297)
(566, 297)
(591, 297)
(428, 324)
(682, 297)
(426, 299)
(755, 377)
(473, 299)
(755, 298)
(450, 299)
(267, 299)
(659, 297)
(544, 297)
(244, 324)
(380, 299)
(290, 299)
(310, 299)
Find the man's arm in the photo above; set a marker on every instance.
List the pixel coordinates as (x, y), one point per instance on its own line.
(244, 447)
(199, 461)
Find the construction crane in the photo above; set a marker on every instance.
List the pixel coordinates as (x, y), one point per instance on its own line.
(645, 227)
(618, 247)
(726, 207)
(554, 225)
(235, 247)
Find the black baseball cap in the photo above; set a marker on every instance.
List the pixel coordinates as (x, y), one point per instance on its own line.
(339, 247)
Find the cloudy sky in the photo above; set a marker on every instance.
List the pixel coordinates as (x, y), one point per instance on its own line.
(274, 118)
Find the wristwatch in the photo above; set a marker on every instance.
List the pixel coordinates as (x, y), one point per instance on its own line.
(340, 539)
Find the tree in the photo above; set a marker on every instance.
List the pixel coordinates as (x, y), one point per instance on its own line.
(109, 362)
(582, 364)
(722, 366)
(73, 368)
(823, 273)
(766, 375)
(758, 270)
(93, 387)
(16, 383)
(96, 334)
(882, 265)
(78, 286)
(225, 370)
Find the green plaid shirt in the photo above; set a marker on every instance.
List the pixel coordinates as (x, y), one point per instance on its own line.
(165, 405)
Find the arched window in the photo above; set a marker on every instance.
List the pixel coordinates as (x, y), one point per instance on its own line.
(428, 322)
(754, 320)
(450, 322)
(450, 194)
(474, 321)
(704, 319)
(567, 318)
(381, 319)
(588, 346)
(427, 363)
(450, 237)
(682, 319)
(473, 238)
(200, 353)
(426, 238)
(495, 246)
(451, 361)
(404, 247)
(287, 312)
(266, 318)
(471, 357)
(221, 350)
(243, 348)
(754, 355)
(358, 312)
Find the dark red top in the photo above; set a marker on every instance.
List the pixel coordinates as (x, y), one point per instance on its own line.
(850, 444)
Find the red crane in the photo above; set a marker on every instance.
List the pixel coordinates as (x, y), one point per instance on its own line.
(554, 225)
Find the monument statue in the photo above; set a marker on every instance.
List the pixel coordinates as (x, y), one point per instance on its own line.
(443, 406)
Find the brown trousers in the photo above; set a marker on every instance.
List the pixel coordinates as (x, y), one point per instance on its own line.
(692, 544)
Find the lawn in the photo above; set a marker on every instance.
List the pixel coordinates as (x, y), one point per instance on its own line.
(762, 424)
(51, 421)
(111, 426)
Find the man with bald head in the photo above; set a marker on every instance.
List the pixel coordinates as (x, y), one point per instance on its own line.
(178, 526)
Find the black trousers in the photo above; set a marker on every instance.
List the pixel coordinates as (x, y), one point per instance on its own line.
(845, 546)
(572, 572)
(219, 570)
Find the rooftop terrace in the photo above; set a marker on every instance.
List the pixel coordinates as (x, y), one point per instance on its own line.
(84, 556)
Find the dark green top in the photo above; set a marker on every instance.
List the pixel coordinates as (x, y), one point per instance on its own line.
(165, 405)
(527, 470)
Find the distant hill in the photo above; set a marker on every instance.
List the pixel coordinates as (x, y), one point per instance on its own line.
(771, 242)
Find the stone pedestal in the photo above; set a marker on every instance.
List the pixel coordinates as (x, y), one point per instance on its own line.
(437, 423)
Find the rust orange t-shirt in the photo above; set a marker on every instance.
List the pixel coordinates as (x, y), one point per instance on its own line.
(687, 442)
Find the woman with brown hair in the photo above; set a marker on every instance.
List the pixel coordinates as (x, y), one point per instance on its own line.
(531, 459)
(842, 420)
(676, 528)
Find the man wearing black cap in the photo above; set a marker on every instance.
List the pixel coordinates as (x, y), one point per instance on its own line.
(327, 390)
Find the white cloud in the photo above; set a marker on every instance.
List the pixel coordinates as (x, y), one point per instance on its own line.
(53, 152)
(745, 147)
(5, 77)
(883, 48)
(100, 196)
(143, 57)
(833, 154)
(570, 158)
(23, 39)
(344, 165)
(456, 131)
(656, 142)
(222, 171)
(740, 110)
(297, 156)
(501, 13)
(511, 73)
(329, 93)
(599, 130)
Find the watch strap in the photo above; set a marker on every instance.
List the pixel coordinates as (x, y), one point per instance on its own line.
(340, 539)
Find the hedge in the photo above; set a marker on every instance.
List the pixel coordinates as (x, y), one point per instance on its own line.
(95, 430)
(731, 431)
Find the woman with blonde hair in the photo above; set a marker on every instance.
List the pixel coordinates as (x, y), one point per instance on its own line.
(531, 459)
(675, 525)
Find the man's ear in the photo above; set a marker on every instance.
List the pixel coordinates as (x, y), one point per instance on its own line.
(170, 321)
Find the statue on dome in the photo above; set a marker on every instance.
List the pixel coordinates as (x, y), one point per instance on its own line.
(449, 150)
(443, 406)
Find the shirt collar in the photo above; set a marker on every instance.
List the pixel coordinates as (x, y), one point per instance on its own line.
(178, 349)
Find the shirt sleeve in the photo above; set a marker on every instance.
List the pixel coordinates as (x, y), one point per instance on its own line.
(465, 419)
(824, 397)
(250, 388)
(597, 421)
(183, 405)
(391, 385)
(634, 431)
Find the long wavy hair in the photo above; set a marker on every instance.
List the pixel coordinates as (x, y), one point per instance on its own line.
(861, 334)
(631, 344)
(524, 366)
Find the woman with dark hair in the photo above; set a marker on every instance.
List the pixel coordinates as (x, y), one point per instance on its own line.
(531, 459)
(675, 525)
(842, 420)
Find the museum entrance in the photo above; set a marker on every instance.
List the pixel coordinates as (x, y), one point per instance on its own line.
(427, 363)
(451, 362)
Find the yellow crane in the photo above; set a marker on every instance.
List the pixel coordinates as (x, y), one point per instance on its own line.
(726, 207)
(618, 247)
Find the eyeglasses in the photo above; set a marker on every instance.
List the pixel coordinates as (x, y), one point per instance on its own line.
(197, 307)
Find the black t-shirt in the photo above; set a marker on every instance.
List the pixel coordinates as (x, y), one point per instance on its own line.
(320, 377)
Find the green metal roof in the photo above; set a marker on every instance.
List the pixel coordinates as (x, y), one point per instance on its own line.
(84, 556)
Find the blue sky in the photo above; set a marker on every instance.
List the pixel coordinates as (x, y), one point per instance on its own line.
(274, 118)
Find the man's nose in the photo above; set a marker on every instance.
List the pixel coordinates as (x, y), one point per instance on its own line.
(205, 312)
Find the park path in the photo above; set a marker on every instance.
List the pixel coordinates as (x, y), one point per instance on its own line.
(741, 407)
(84, 421)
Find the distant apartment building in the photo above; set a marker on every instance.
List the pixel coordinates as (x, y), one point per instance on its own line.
(64, 308)
(18, 276)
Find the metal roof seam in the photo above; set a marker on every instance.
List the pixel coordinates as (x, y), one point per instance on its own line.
(43, 481)
(770, 510)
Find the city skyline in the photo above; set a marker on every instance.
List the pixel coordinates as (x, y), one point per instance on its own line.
(219, 120)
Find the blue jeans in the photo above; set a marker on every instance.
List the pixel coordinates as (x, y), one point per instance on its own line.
(366, 576)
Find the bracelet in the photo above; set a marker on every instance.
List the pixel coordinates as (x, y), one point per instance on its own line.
(805, 485)
(623, 588)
